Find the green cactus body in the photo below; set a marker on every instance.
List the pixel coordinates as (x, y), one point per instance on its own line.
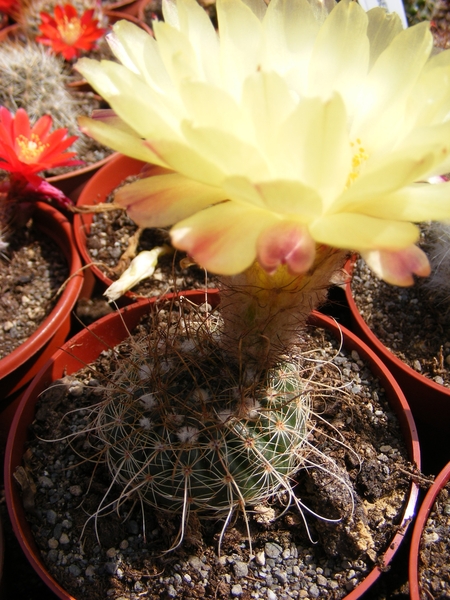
(200, 451)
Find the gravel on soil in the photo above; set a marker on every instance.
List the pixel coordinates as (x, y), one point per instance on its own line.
(124, 564)
(32, 269)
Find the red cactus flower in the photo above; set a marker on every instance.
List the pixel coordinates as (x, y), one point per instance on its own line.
(67, 33)
(10, 7)
(26, 150)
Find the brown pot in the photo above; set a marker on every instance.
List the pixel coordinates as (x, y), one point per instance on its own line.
(128, 7)
(129, 13)
(19, 367)
(427, 505)
(112, 329)
(72, 182)
(429, 401)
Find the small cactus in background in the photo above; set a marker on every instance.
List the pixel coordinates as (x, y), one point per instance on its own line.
(418, 10)
(10, 7)
(36, 81)
(440, 24)
(437, 285)
(25, 150)
(69, 32)
(30, 14)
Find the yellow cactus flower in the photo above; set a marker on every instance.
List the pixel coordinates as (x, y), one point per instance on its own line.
(298, 124)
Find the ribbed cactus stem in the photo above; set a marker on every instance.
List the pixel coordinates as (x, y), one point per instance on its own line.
(263, 313)
(188, 430)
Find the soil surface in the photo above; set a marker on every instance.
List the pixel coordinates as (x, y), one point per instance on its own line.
(32, 269)
(434, 551)
(352, 426)
(109, 238)
(407, 321)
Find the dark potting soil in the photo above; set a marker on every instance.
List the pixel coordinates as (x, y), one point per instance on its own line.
(353, 426)
(434, 551)
(32, 269)
(407, 321)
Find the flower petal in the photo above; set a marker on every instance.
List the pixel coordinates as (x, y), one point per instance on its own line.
(176, 53)
(222, 238)
(382, 28)
(283, 197)
(139, 52)
(181, 157)
(388, 174)
(386, 88)
(119, 140)
(267, 102)
(398, 268)
(163, 200)
(290, 29)
(240, 43)
(142, 266)
(340, 57)
(209, 106)
(415, 203)
(359, 232)
(228, 153)
(322, 159)
(195, 23)
(140, 106)
(286, 243)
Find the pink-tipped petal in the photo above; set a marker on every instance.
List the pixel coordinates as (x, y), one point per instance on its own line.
(163, 200)
(398, 268)
(222, 238)
(286, 243)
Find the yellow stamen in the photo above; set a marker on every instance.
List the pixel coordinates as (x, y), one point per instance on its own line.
(71, 30)
(359, 157)
(30, 149)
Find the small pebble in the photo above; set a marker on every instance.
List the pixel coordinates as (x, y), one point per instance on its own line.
(51, 517)
(272, 550)
(75, 490)
(236, 590)
(240, 569)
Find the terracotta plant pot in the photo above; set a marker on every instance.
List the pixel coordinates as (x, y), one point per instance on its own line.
(72, 182)
(112, 329)
(19, 367)
(129, 13)
(427, 505)
(429, 401)
(129, 7)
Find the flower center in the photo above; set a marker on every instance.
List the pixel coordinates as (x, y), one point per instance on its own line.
(70, 30)
(358, 159)
(30, 149)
